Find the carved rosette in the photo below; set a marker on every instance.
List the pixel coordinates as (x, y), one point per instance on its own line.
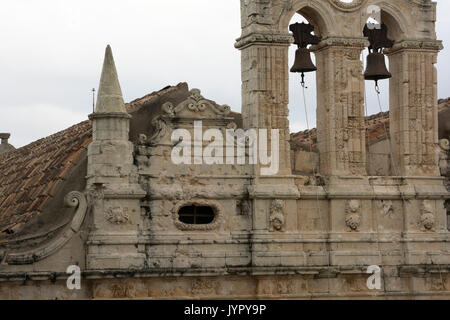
(277, 219)
(353, 215)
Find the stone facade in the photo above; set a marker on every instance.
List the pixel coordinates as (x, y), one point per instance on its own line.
(309, 231)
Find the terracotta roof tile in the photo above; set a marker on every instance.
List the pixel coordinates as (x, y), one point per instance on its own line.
(30, 176)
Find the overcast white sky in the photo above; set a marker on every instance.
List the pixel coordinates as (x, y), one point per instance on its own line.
(52, 50)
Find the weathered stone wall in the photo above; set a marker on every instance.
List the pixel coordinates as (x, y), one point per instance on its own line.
(404, 283)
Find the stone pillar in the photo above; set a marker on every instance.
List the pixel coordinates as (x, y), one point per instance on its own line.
(112, 180)
(265, 98)
(414, 107)
(265, 88)
(340, 106)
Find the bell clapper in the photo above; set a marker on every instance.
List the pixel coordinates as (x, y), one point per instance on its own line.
(303, 81)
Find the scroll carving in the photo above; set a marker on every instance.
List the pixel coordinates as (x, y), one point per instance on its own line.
(195, 103)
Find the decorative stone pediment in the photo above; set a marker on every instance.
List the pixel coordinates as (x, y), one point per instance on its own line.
(196, 106)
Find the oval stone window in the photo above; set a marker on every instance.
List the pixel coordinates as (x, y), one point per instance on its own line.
(196, 214)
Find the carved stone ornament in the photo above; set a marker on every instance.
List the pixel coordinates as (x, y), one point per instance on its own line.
(387, 208)
(117, 215)
(201, 286)
(74, 199)
(195, 103)
(347, 6)
(444, 145)
(277, 219)
(353, 217)
(427, 218)
(244, 207)
(162, 129)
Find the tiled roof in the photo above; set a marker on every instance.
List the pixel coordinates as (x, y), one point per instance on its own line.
(29, 176)
(444, 104)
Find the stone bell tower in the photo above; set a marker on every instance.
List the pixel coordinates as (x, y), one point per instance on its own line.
(350, 197)
(112, 180)
(340, 105)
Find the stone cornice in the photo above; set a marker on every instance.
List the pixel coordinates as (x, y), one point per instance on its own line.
(428, 45)
(264, 38)
(333, 271)
(341, 42)
(101, 115)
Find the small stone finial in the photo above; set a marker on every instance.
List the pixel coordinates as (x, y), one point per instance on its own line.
(4, 145)
(4, 137)
(109, 98)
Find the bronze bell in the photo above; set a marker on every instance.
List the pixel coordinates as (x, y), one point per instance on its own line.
(376, 67)
(303, 37)
(303, 62)
(376, 64)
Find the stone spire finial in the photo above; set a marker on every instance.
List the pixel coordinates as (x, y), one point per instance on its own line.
(109, 94)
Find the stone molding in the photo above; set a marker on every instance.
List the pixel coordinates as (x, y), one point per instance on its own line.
(264, 38)
(359, 43)
(177, 192)
(426, 45)
(270, 191)
(109, 115)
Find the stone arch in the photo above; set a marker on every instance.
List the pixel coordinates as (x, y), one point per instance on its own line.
(392, 16)
(314, 11)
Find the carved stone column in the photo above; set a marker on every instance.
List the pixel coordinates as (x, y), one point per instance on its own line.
(413, 107)
(265, 88)
(265, 99)
(340, 106)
